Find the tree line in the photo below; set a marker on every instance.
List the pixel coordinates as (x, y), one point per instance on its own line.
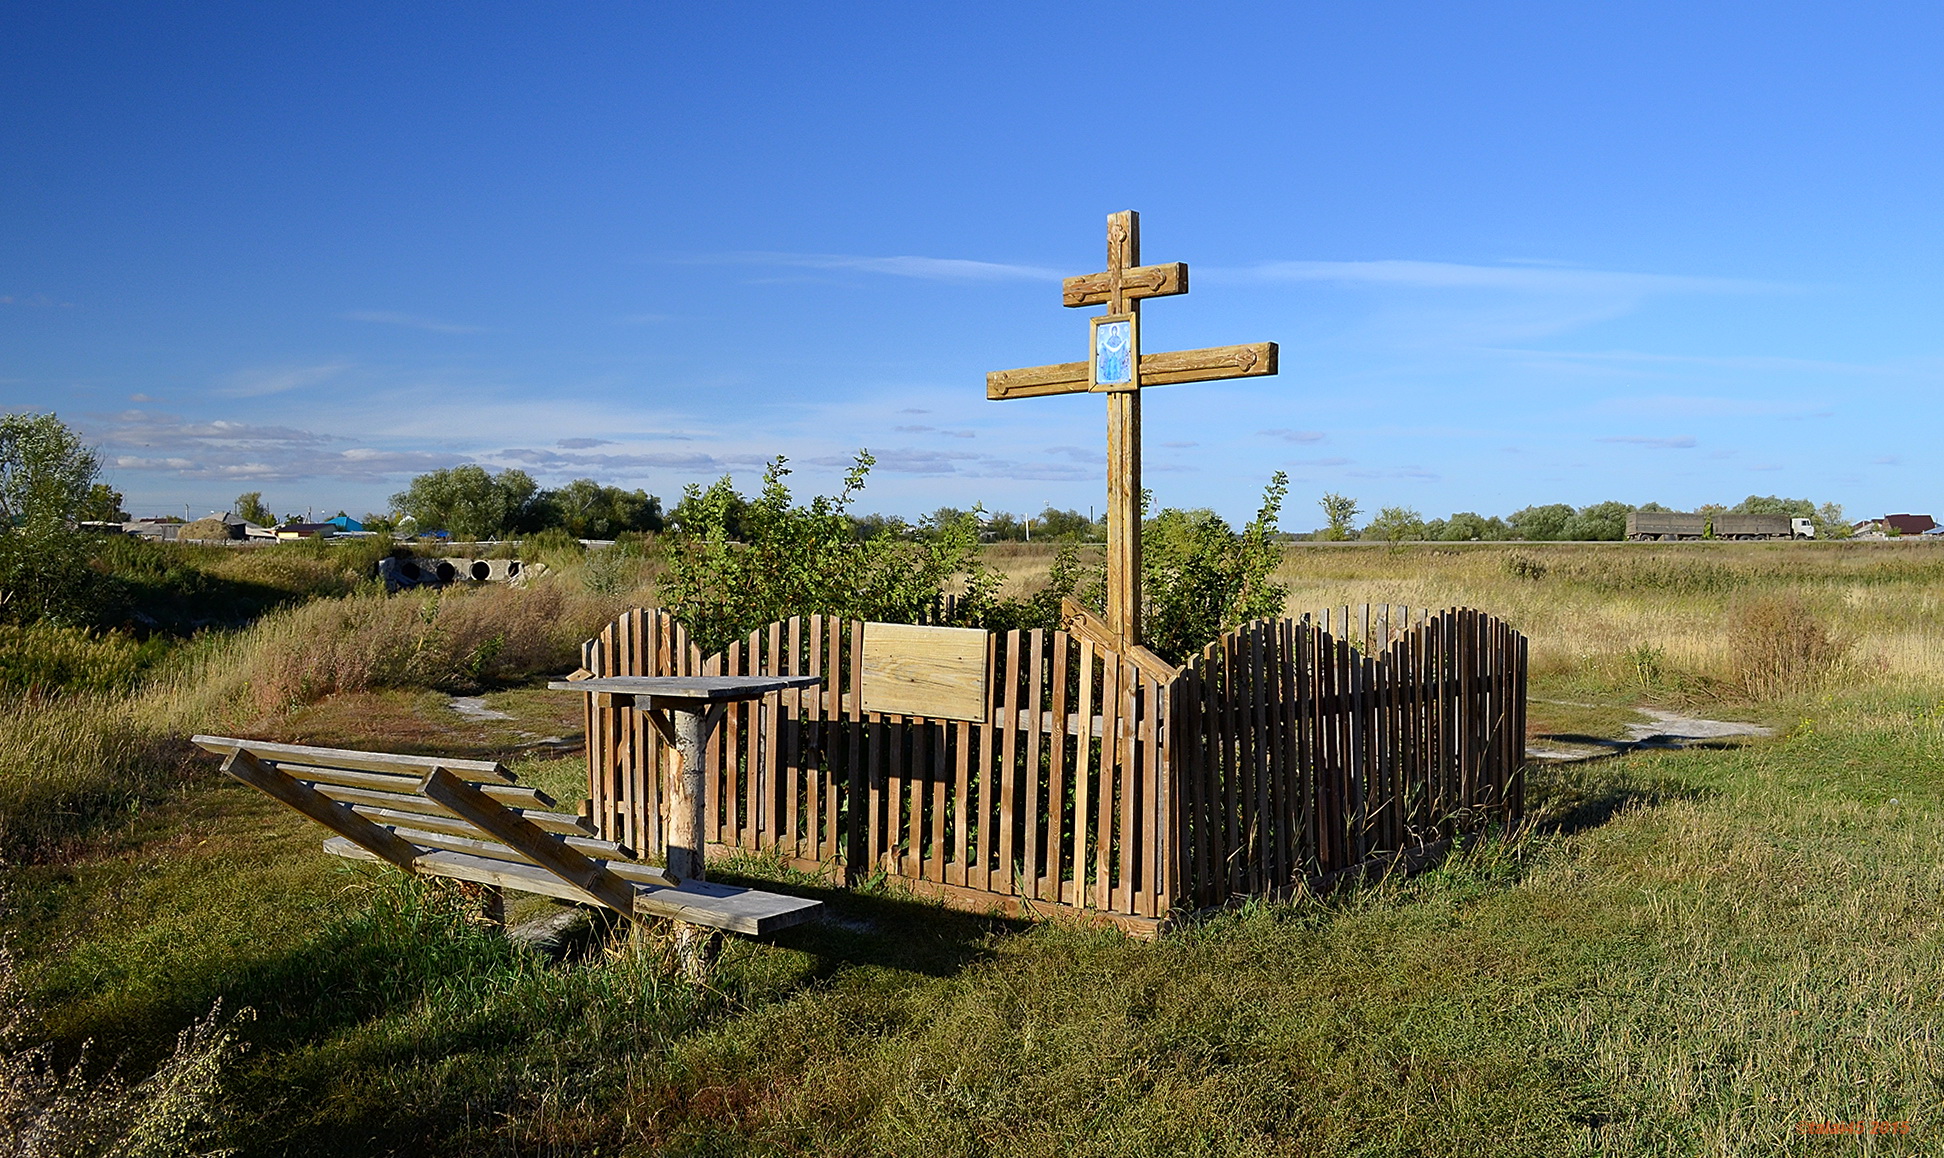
(1549, 522)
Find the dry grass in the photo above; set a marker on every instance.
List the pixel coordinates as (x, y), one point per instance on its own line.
(457, 640)
(1618, 612)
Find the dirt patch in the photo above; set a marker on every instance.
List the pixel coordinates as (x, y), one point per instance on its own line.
(1660, 730)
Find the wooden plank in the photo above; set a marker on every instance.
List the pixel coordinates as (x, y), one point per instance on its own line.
(494, 850)
(769, 709)
(858, 830)
(1056, 856)
(717, 906)
(1032, 780)
(938, 734)
(936, 672)
(381, 843)
(1142, 281)
(1144, 834)
(450, 825)
(1110, 705)
(514, 795)
(789, 706)
(514, 830)
(1084, 764)
(832, 735)
(1168, 368)
(563, 823)
(961, 799)
(810, 743)
(414, 766)
(1011, 673)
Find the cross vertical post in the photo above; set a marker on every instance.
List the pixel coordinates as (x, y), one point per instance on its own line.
(1123, 447)
(1121, 372)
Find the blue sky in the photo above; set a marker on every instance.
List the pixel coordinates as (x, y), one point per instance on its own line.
(1513, 253)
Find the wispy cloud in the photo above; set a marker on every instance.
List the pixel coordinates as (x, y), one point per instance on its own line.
(583, 443)
(1304, 436)
(954, 269)
(258, 381)
(1678, 442)
(410, 321)
(1703, 406)
(1521, 278)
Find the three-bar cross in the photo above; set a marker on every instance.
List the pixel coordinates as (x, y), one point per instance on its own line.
(1119, 370)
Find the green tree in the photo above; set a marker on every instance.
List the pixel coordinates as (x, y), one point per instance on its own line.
(1466, 526)
(1395, 525)
(45, 470)
(468, 502)
(1541, 524)
(587, 510)
(1599, 522)
(47, 476)
(103, 504)
(249, 506)
(1055, 524)
(1339, 515)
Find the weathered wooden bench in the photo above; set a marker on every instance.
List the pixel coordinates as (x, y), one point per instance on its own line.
(469, 820)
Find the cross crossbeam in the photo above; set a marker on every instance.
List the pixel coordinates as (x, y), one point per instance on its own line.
(1121, 287)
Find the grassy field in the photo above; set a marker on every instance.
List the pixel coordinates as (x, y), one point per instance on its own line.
(1685, 952)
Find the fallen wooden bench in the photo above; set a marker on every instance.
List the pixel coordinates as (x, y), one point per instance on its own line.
(469, 820)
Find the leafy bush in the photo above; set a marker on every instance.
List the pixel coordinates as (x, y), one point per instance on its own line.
(794, 560)
(1199, 577)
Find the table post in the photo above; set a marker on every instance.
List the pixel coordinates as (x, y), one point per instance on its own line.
(688, 796)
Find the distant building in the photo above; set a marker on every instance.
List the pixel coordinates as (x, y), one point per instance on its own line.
(346, 523)
(306, 531)
(1896, 525)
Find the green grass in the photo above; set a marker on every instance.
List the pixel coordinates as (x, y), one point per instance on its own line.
(1695, 952)
(1688, 952)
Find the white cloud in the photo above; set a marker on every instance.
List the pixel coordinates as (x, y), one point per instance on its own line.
(255, 383)
(954, 269)
(1304, 436)
(1525, 278)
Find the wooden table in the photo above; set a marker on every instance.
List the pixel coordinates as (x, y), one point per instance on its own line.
(684, 709)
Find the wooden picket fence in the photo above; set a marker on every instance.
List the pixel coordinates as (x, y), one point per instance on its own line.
(1279, 755)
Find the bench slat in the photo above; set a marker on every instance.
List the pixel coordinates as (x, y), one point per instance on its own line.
(726, 907)
(559, 822)
(512, 795)
(510, 828)
(416, 827)
(640, 874)
(415, 766)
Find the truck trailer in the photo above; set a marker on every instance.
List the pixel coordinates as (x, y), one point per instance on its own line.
(1676, 526)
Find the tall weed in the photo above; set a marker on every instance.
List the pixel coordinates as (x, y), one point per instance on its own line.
(456, 640)
(67, 764)
(47, 1111)
(1781, 646)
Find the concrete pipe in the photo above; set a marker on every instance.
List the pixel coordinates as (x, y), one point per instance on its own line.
(482, 569)
(512, 568)
(444, 571)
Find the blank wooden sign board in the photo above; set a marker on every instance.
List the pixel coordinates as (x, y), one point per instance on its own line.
(935, 672)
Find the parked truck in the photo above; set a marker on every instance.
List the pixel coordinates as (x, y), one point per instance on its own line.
(1673, 526)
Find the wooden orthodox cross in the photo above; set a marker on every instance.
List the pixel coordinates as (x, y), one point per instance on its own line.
(1117, 368)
